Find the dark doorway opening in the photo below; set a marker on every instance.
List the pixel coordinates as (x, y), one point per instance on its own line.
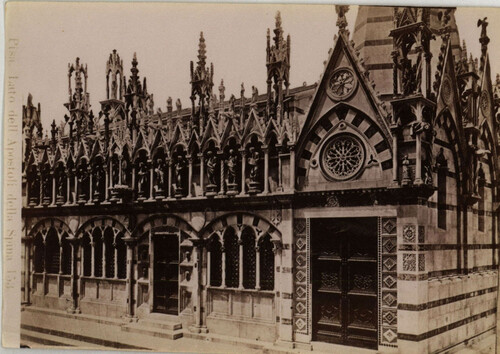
(344, 281)
(166, 273)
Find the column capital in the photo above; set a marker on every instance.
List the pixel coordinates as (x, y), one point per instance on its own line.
(129, 241)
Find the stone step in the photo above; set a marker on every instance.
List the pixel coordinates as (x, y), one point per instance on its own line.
(35, 339)
(160, 321)
(83, 317)
(218, 338)
(84, 340)
(147, 329)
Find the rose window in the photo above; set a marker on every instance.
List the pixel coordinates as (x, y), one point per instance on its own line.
(343, 157)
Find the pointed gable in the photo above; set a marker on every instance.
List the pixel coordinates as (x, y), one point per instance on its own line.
(485, 102)
(345, 81)
(210, 134)
(253, 127)
(447, 88)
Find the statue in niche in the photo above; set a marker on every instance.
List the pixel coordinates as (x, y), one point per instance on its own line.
(428, 174)
(114, 87)
(116, 172)
(34, 185)
(46, 185)
(406, 171)
(180, 165)
(124, 180)
(211, 168)
(97, 181)
(253, 163)
(409, 76)
(160, 175)
(82, 178)
(141, 182)
(232, 165)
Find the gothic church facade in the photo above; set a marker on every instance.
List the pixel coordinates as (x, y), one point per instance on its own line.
(361, 210)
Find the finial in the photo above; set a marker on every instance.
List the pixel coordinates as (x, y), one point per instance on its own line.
(278, 19)
(341, 19)
(202, 53)
(498, 79)
(169, 104)
(222, 89)
(464, 50)
(483, 39)
(242, 89)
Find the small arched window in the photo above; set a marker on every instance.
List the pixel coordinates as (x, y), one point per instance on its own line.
(248, 239)
(266, 263)
(52, 252)
(87, 255)
(98, 243)
(231, 249)
(39, 252)
(121, 253)
(215, 249)
(110, 252)
(66, 255)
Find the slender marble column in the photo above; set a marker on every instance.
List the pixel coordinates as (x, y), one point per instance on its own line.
(190, 176)
(243, 171)
(266, 169)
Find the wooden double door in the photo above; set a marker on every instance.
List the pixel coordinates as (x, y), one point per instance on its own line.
(166, 273)
(344, 281)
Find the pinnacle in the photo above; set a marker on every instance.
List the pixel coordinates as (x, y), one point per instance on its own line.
(202, 53)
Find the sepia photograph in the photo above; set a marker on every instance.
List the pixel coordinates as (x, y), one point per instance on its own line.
(254, 178)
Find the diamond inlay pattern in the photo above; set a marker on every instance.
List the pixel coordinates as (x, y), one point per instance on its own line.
(388, 295)
(300, 261)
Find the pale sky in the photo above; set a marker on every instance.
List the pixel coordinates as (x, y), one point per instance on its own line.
(165, 37)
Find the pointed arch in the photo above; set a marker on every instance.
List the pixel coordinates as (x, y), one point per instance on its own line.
(101, 222)
(261, 225)
(44, 225)
(372, 133)
(164, 220)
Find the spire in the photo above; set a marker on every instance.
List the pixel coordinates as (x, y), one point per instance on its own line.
(201, 86)
(202, 52)
(78, 97)
(341, 19)
(278, 70)
(278, 31)
(222, 89)
(484, 40)
(114, 73)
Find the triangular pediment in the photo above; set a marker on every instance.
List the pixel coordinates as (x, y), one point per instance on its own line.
(448, 97)
(485, 101)
(345, 81)
(178, 137)
(253, 126)
(211, 133)
(230, 130)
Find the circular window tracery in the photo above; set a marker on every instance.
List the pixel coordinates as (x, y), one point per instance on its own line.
(343, 157)
(342, 84)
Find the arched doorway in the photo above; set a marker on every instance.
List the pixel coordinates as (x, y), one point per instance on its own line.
(165, 244)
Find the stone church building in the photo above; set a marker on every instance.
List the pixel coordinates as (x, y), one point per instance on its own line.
(361, 210)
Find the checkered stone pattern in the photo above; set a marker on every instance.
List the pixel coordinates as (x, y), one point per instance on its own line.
(388, 297)
(300, 277)
(356, 119)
